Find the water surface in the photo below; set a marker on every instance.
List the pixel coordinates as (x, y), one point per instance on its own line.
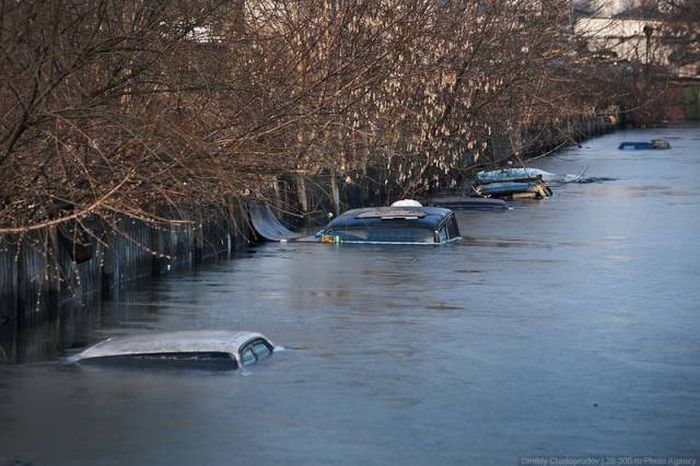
(561, 327)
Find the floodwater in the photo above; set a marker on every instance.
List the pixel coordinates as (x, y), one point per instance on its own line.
(569, 326)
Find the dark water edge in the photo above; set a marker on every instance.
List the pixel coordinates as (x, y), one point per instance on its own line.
(75, 323)
(562, 327)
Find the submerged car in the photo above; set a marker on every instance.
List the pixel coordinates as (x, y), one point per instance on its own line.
(654, 144)
(525, 173)
(467, 203)
(512, 183)
(216, 348)
(524, 189)
(393, 225)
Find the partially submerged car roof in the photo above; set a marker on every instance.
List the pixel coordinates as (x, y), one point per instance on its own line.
(209, 341)
(469, 203)
(656, 144)
(427, 217)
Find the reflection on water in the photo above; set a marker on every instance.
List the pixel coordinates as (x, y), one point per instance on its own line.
(562, 327)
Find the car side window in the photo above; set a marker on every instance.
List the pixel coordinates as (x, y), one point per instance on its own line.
(254, 351)
(452, 228)
(443, 233)
(247, 356)
(260, 349)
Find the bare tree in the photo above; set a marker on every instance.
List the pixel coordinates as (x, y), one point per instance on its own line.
(113, 108)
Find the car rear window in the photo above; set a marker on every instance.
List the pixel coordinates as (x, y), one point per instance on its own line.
(181, 359)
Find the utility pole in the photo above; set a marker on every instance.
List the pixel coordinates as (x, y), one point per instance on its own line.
(648, 31)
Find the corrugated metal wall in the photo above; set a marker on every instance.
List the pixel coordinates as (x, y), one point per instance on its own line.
(691, 102)
(8, 281)
(40, 278)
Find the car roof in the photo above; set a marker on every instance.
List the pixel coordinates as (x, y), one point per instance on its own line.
(194, 341)
(427, 217)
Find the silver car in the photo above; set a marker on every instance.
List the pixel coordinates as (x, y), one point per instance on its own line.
(214, 348)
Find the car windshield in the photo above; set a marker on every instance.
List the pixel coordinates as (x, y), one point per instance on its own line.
(383, 233)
